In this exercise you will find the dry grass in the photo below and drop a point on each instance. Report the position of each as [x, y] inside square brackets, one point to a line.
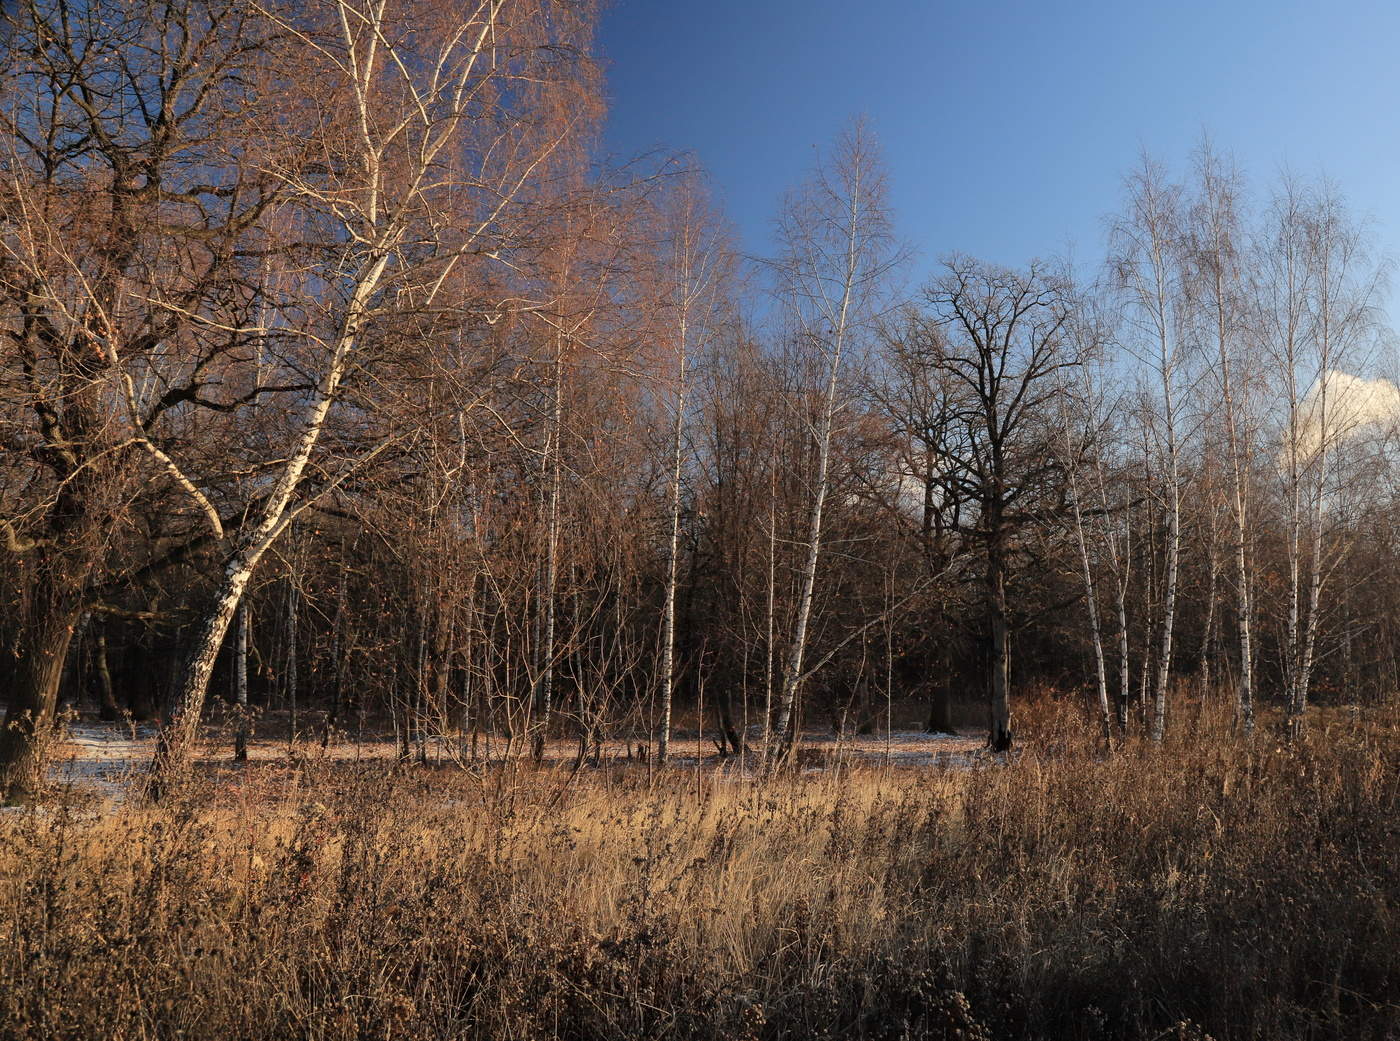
[1211, 888]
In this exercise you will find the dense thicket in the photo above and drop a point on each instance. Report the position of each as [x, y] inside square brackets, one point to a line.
[337, 377]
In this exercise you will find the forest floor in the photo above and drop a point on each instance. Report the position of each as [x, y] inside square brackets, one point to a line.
[102, 757]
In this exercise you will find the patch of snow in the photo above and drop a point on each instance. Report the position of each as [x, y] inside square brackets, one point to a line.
[101, 756]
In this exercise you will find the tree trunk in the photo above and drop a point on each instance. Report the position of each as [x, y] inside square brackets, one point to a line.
[544, 682]
[792, 670]
[668, 635]
[1092, 606]
[1164, 662]
[43, 650]
[1212, 583]
[338, 656]
[1125, 679]
[999, 735]
[240, 683]
[770, 614]
[178, 737]
[1298, 704]
[1243, 610]
[940, 711]
[830, 290]
[106, 695]
[293, 593]
[1243, 614]
[730, 740]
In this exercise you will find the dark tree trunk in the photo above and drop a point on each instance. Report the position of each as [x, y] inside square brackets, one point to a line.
[999, 735]
[54, 614]
[240, 682]
[730, 741]
[60, 568]
[940, 711]
[102, 669]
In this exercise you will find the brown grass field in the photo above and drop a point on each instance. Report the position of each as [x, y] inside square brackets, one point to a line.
[1210, 888]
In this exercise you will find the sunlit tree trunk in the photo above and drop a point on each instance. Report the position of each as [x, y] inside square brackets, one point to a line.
[695, 262]
[549, 579]
[668, 632]
[835, 256]
[1212, 596]
[1147, 265]
[770, 651]
[1216, 250]
[177, 738]
[415, 127]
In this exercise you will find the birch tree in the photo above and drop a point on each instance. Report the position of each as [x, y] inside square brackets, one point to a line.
[1217, 257]
[696, 261]
[575, 299]
[1082, 426]
[1145, 261]
[432, 123]
[837, 250]
[1315, 294]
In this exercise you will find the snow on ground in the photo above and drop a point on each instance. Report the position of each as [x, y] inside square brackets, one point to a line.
[103, 757]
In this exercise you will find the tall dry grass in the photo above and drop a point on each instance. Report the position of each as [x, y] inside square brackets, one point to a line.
[1210, 888]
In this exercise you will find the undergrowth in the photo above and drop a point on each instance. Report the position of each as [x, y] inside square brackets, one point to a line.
[1211, 888]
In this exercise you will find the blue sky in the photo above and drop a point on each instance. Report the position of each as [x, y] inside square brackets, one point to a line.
[1008, 127]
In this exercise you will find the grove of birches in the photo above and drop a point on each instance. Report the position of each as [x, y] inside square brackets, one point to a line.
[350, 394]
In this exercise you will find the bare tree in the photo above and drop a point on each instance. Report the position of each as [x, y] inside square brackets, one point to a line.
[1315, 296]
[696, 261]
[1217, 259]
[1008, 347]
[121, 220]
[837, 252]
[1083, 422]
[437, 123]
[918, 398]
[1145, 261]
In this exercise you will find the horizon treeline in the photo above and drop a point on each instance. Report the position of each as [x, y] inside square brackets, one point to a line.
[338, 376]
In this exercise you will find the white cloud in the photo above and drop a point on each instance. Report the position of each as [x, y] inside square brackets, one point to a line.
[1353, 407]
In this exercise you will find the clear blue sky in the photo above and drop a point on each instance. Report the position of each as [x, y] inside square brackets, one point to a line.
[1008, 126]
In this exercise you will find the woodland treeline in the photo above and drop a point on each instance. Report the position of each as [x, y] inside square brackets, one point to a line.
[342, 376]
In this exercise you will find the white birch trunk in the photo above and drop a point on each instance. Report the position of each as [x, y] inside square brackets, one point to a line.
[792, 669]
[1173, 549]
[178, 737]
[1243, 606]
[769, 649]
[828, 323]
[668, 639]
[1212, 585]
[544, 681]
[1298, 695]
